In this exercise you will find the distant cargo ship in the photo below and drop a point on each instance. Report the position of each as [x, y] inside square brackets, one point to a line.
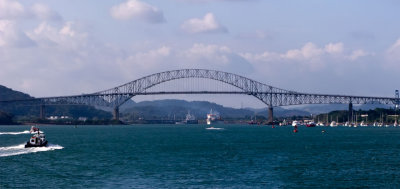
[214, 118]
[190, 119]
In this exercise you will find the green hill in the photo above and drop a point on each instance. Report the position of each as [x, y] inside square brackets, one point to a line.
[23, 112]
[170, 109]
[6, 119]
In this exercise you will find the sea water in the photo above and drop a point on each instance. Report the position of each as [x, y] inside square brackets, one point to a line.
[190, 156]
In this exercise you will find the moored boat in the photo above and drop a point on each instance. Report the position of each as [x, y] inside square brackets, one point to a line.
[363, 124]
[310, 124]
[295, 123]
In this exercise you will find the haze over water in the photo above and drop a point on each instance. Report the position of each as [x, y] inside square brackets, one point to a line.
[170, 156]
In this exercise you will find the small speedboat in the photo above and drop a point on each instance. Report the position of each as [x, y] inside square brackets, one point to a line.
[37, 140]
[34, 129]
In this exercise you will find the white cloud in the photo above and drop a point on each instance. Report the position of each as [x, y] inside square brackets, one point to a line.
[358, 54]
[208, 53]
[148, 60]
[309, 52]
[309, 58]
[392, 55]
[14, 10]
[334, 48]
[208, 24]
[208, 56]
[138, 10]
[11, 9]
[212, 56]
[11, 36]
[43, 12]
[63, 56]
[66, 36]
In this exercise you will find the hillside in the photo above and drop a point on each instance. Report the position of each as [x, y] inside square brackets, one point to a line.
[168, 109]
[24, 112]
[5, 118]
[9, 94]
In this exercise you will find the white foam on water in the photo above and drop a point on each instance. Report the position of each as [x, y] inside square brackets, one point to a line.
[15, 133]
[214, 128]
[20, 149]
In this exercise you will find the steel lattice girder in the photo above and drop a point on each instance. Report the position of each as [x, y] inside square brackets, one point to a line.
[271, 96]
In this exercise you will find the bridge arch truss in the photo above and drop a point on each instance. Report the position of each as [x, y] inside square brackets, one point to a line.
[269, 95]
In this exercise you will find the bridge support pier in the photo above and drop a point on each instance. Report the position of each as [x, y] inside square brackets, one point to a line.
[270, 114]
[116, 113]
[350, 118]
[42, 112]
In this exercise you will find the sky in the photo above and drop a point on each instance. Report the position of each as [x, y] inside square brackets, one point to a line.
[68, 47]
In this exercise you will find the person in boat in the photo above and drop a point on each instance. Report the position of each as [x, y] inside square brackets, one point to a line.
[37, 140]
[34, 129]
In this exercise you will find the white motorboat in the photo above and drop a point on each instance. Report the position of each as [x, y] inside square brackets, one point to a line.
[295, 123]
[37, 140]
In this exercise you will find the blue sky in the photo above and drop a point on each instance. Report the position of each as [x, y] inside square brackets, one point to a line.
[63, 47]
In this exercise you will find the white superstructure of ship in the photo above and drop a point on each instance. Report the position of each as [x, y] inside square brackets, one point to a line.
[190, 119]
[214, 118]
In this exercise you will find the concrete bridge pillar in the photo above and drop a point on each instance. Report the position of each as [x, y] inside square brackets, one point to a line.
[42, 112]
[270, 114]
[350, 112]
[116, 113]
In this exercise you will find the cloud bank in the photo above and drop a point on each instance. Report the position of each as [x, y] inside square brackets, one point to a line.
[135, 9]
[207, 24]
[50, 56]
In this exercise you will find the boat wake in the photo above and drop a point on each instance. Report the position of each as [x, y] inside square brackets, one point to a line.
[20, 149]
[214, 128]
[15, 133]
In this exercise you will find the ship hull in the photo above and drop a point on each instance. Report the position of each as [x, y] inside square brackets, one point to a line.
[211, 122]
[29, 145]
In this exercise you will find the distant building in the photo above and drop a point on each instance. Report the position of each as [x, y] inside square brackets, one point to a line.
[58, 117]
[82, 118]
[53, 118]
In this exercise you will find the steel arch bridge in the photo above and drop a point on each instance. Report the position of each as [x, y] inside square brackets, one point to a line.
[269, 95]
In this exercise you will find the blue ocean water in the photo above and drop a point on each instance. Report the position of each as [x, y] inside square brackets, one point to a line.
[182, 156]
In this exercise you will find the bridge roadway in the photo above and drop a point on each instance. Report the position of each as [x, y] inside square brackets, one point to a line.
[271, 96]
